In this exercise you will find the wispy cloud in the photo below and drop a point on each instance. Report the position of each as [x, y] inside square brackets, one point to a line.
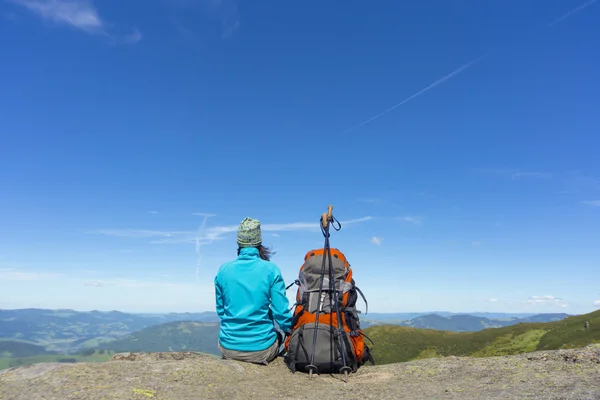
[153, 212]
[12, 274]
[597, 303]
[513, 174]
[577, 182]
[98, 284]
[276, 235]
[593, 203]
[547, 300]
[139, 233]
[543, 299]
[207, 215]
[370, 200]
[493, 300]
[376, 240]
[11, 16]
[212, 233]
[134, 37]
[229, 15]
[133, 283]
[412, 220]
[535, 175]
[80, 14]
[225, 13]
[475, 243]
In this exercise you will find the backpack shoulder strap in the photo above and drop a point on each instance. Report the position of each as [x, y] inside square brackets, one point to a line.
[363, 297]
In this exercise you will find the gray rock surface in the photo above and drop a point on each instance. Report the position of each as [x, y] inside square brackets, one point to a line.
[551, 375]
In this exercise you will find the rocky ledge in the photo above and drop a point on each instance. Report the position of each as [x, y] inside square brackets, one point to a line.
[561, 374]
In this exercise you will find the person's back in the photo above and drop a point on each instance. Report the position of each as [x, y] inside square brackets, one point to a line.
[250, 298]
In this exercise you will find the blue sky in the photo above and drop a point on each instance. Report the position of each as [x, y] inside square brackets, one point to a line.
[457, 142]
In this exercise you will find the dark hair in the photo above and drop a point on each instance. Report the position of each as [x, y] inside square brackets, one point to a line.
[264, 252]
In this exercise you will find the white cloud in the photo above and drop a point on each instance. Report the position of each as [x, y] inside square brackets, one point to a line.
[412, 220]
[207, 215]
[153, 212]
[493, 300]
[597, 303]
[212, 233]
[80, 14]
[593, 203]
[476, 243]
[276, 234]
[376, 240]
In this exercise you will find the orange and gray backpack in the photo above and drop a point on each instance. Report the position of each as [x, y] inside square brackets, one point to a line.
[315, 342]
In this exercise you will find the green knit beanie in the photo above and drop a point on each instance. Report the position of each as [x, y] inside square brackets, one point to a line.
[249, 234]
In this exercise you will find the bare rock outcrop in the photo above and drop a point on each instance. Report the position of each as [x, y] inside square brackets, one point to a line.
[550, 375]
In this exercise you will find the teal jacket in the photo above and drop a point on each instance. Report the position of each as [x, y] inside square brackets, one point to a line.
[250, 297]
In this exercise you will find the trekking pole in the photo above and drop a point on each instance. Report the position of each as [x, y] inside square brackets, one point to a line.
[312, 367]
[325, 229]
[326, 219]
[332, 288]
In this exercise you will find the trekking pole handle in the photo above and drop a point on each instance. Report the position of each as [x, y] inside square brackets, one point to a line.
[325, 218]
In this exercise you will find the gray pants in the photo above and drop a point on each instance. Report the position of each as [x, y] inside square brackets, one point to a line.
[255, 357]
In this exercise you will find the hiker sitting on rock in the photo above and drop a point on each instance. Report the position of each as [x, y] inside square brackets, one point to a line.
[250, 298]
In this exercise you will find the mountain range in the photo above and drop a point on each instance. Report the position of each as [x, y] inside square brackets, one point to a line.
[34, 335]
[67, 331]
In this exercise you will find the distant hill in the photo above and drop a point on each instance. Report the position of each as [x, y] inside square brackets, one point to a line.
[471, 323]
[399, 343]
[456, 323]
[68, 330]
[173, 336]
[544, 318]
[14, 349]
[409, 316]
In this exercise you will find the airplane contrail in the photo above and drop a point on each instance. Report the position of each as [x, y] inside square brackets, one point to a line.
[199, 235]
[567, 15]
[459, 70]
[420, 92]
